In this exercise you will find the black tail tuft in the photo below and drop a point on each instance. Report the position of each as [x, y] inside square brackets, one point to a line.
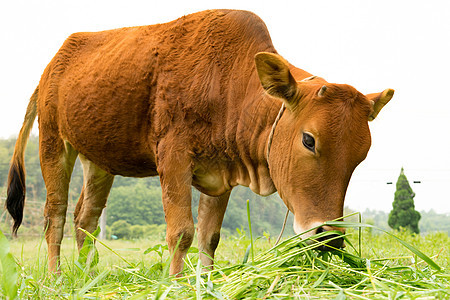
[15, 200]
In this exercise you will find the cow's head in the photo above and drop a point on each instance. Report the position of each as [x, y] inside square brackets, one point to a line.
[318, 142]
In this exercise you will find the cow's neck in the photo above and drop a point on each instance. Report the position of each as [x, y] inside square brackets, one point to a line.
[258, 114]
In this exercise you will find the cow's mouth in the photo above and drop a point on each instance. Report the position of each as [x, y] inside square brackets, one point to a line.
[326, 240]
[333, 240]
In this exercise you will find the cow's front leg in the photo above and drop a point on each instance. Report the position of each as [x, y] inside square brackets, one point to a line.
[211, 211]
[175, 173]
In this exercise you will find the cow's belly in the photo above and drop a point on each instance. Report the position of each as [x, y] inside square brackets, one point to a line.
[114, 145]
[117, 160]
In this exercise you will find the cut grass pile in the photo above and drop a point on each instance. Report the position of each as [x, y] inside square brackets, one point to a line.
[292, 269]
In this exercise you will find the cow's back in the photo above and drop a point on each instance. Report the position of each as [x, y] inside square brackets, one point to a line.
[117, 93]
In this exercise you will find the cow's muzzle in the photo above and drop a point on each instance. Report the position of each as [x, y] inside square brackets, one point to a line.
[333, 240]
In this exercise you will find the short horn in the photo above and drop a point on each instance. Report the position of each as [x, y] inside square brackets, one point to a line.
[322, 91]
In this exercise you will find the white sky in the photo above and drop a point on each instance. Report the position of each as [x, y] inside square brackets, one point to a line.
[372, 45]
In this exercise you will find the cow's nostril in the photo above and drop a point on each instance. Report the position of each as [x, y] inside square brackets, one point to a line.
[320, 230]
[334, 241]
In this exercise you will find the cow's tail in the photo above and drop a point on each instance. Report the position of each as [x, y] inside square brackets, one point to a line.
[15, 200]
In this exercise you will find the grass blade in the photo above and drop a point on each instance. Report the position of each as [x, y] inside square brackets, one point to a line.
[93, 282]
[88, 256]
[107, 247]
[247, 252]
[9, 267]
[414, 250]
[197, 280]
[250, 229]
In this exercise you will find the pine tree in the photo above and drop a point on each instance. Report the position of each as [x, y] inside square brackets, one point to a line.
[403, 213]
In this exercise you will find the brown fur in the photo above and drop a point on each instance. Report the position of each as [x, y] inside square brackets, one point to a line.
[183, 100]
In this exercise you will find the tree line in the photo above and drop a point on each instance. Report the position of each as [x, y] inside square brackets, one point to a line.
[134, 207]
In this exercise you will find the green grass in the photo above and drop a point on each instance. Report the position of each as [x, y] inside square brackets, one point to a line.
[385, 269]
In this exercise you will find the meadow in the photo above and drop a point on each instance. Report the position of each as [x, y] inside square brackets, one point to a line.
[374, 265]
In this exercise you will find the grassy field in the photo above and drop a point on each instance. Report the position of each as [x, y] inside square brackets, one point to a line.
[385, 269]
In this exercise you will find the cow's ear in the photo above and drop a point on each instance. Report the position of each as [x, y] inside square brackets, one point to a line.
[275, 77]
[379, 100]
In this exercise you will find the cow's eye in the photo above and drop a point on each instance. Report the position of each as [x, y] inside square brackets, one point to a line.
[309, 142]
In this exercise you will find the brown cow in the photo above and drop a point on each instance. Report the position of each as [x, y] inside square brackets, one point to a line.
[185, 100]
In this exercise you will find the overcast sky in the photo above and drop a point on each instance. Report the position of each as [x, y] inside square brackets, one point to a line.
[372, 45]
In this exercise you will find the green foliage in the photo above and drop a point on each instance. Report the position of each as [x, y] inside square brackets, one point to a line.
[137, 231]
[267, 213]
[432, 221]
[121, 229]
[159, 249]
[403, 214]
[9, 269]
[157, 232]
[137, 204]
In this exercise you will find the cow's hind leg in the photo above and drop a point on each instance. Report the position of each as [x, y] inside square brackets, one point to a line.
[57, 161]
[211, 211]
[96, 186]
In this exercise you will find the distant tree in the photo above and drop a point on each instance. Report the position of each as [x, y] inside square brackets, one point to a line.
[121, 229]
[403, 213]
[267, 213]
[136, 231]
[138, 204]
[432, 221]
